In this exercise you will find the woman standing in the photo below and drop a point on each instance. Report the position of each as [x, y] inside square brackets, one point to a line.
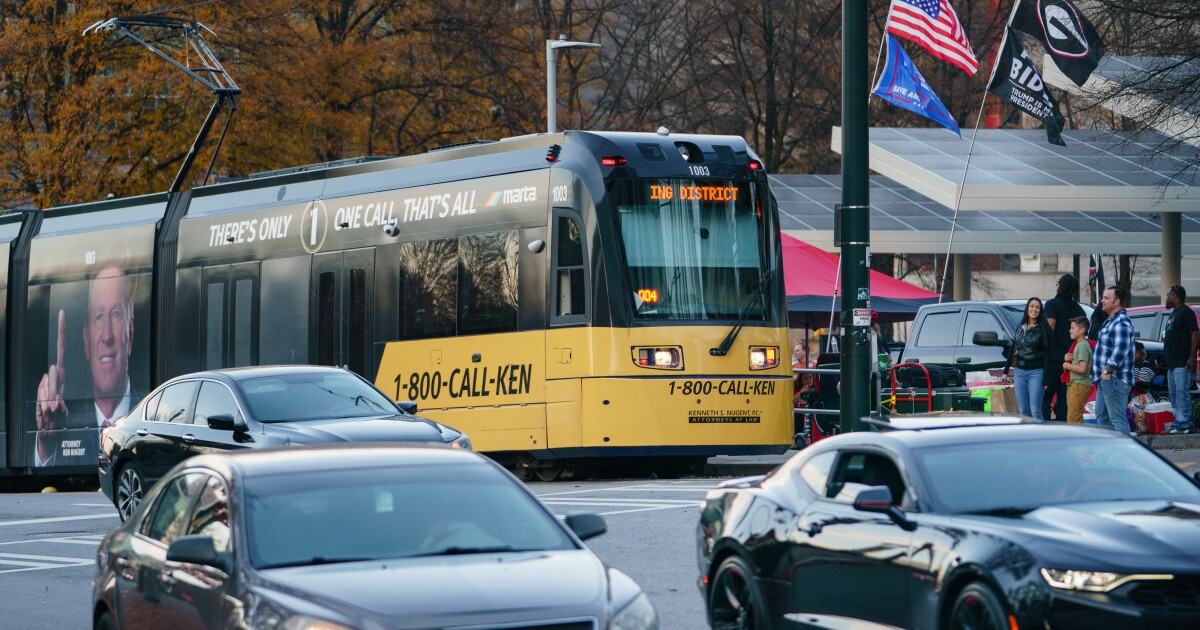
[1029, 356]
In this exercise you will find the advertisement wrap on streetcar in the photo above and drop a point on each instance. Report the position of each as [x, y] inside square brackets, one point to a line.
[556, 297]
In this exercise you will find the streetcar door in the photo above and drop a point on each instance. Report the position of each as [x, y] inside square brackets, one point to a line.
[342, 310]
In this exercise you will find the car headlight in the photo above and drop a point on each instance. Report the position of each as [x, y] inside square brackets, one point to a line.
[636, 615]
[304, 622]
[462, 441]
[1094, 581]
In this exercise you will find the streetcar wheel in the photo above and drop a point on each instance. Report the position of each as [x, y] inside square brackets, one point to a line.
[130, 489]
[549, 470]
[977, 608]
[734, 599]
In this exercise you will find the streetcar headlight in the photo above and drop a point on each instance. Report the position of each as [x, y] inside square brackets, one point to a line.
[658, 357]
[763, 357]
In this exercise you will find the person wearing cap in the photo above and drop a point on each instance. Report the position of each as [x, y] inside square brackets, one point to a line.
[1180, 343]
[1060, 310]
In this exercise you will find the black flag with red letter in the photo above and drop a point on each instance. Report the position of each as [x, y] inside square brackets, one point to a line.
[1016, 80]
[1068, 36]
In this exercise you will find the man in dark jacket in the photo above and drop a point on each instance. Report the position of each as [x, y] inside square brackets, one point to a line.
[1059, 312]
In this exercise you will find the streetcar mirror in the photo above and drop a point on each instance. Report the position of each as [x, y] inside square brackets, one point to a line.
[407, 406]
[537, 246]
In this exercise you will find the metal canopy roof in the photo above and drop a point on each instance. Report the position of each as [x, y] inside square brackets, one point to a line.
[905, 221]
[1177, 119]
[1017, 169]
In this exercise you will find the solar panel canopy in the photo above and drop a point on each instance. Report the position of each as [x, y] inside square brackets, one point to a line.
[1018, 170]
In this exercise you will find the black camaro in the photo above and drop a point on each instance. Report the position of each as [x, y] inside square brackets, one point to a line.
[342, 537]
[224, 410]
[1002, 525]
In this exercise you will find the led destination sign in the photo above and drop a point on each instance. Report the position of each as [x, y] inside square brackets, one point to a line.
[692, 193]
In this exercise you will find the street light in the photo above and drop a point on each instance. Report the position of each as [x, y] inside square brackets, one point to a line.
[551, 75]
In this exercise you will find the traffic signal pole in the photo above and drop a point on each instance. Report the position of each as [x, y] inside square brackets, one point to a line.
[853, 220]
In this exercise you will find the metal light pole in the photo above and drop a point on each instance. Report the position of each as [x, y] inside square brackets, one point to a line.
[552, 75]
[853, 219]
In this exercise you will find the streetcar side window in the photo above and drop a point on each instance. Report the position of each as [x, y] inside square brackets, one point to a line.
[326, 306]
[428, 289]
[285, 339]
[487, 283]
[569, 293]
[214, 327]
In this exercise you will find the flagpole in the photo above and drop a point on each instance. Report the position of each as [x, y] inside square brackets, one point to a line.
[879, 55]
[832, 303]
[970, 150]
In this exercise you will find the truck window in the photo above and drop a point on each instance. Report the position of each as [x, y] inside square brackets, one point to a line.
[1143, 325]
[981, 321]
[939, 330]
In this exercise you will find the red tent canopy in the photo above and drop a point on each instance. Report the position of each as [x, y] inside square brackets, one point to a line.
[810, 274]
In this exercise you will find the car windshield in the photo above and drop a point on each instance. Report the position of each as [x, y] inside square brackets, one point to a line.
[331, 516]
[1025, 475]
[313, 396]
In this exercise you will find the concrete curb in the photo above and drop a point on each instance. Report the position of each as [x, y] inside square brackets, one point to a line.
[745, 466]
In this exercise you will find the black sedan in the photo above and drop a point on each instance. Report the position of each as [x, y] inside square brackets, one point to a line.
[1001, 525]
[211, 412]
[334, 537]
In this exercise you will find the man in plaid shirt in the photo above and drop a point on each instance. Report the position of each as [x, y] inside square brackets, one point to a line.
[1112, 364]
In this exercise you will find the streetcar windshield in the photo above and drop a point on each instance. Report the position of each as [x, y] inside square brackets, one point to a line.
[694, 248]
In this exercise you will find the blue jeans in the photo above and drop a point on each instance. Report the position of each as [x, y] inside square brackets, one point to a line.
[1112, 398]
[1029, 391]
[1179, 382]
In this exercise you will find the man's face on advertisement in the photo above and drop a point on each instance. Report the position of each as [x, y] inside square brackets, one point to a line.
[108, 332]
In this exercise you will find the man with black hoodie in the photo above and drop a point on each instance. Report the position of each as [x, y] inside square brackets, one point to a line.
[1059, 312]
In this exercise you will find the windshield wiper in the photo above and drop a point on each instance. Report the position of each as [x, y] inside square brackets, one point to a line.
[313, 561]
[1005, 511]
[462, 551]
[758, 296]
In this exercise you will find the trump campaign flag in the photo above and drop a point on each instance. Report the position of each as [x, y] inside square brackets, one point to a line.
[1017, 81]
[933, 25]
[901, 84]
[1068, 36]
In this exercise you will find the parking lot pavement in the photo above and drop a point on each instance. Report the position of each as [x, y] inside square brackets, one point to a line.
[48, 557]
[651, 536]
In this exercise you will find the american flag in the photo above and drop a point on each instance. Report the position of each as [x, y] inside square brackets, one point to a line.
[933, 25]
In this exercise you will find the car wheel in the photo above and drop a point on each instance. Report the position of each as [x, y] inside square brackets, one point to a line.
[131, 487]
[977, 608]
[104, 622]
[734, 598]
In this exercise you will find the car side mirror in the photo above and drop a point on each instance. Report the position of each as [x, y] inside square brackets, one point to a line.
[223, 422]
[197, 549]
[878, 499]
[988, 338]
[586, 526]
[407, 406]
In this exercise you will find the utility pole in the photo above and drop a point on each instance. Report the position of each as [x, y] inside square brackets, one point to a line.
[853, 220]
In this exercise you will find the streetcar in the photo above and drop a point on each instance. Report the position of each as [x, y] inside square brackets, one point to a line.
[562, 298]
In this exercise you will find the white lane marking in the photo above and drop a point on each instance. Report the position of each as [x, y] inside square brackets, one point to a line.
[28, 562]
[645, 509]
[56, 519]
[632, 488]
[622, 500]
[107, 505]
[71, 540]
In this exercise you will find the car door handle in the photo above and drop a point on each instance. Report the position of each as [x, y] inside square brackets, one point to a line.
[189, 438]
[143, 432]
[168, 582]
[963, 360]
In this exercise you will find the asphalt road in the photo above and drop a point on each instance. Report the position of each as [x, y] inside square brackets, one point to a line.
[48, 544]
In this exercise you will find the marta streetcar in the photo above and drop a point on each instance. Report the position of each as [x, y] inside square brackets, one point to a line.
[559, 297]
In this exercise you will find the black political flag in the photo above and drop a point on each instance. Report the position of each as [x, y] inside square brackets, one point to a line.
[1016, 80]
[1068, 36]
